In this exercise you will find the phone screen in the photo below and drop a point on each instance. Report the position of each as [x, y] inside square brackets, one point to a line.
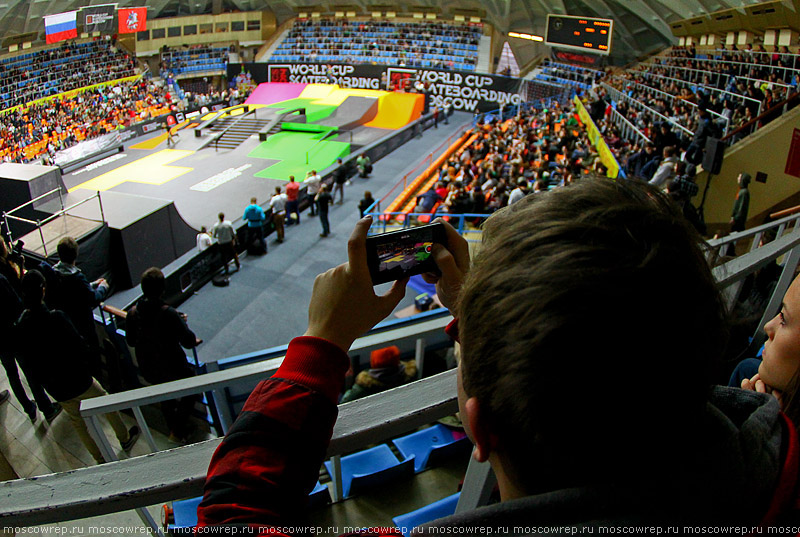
[399, 254]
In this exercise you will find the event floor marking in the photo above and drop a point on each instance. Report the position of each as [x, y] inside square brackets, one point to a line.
[151, 143]
[150, 170]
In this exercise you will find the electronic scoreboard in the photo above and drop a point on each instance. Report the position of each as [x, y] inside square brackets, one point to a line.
[579, 33]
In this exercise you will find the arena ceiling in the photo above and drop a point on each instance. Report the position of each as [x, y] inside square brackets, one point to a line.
[640, 25]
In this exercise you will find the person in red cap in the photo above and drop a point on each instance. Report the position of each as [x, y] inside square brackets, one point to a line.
[385, 371]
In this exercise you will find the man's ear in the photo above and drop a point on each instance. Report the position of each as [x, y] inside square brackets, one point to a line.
[479, 425]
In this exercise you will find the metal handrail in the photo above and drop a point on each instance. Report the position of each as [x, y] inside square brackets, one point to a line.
[628, 126]
[762, 115]
[611, 89]
[703, 86]
[229, 127]
[669, 95]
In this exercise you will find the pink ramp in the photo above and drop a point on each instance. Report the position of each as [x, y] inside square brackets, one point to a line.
[275, 92]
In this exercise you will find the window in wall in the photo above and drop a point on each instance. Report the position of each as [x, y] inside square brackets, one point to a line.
[190, 29]
[253, 25]
[221, 27]
[143, 35]
[508, 63]
[206, 28]
[237, 26]
[159, 33]
[174, 31]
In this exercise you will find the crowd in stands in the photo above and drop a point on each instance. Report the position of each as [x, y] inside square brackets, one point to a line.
[414, 44]
[193, 59]
[734, 87]
[27, 77]
[45, 128]
[537, 151]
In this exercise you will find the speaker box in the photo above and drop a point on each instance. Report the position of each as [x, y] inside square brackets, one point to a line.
[712, 157]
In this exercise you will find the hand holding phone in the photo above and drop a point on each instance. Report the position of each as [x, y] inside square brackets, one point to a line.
[400, 254]
[343, 303]
[452, 261]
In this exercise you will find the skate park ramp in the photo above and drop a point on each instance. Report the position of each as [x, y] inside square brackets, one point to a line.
[353, 112]
[396, 110]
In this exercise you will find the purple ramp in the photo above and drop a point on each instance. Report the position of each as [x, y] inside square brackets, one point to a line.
[275, 92]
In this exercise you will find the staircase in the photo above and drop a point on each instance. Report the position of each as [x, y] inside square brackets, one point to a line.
[243, 129]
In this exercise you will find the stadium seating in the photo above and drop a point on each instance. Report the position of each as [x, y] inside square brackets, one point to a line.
[382, 42]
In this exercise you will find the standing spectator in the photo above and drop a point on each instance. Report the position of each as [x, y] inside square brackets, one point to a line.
[278, 204]
[448, 109]
[436, 117]
[742, 204]
[365, 203]
[226, 236]
[292, 206]
[339, 179]
[71, 292]
[203, 239]
[58, 361]
[255, 216]
[312, 182]
[519, 192]
[386, 370]
[666, 169]
[157, 332]
[9, 313]
[324, 200]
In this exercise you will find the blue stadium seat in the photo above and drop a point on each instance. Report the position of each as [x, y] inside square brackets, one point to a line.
[370, 468]
[431, 445]
[442, 508]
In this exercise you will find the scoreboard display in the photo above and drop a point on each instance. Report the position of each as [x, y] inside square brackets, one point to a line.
[579, 33]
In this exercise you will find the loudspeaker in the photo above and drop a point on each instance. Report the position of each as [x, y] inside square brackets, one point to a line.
[712, 157]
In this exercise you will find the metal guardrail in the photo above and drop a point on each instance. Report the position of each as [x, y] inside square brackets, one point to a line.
[628, 130]
[618, 96]
[6, 216]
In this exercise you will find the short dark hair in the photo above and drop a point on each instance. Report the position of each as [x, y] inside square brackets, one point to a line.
[566, 320]
[33, 285]
[67, 250]
[152, 283]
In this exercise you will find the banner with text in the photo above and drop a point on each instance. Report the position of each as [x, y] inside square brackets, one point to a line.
[606, 156]
[466, 91]
[99, 18]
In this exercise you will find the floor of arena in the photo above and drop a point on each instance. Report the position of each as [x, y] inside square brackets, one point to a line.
[204, 181]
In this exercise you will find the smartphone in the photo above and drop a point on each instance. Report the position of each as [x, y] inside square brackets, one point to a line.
[400, 254]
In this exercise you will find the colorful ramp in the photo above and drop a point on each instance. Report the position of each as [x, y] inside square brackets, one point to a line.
[366, 114]
[353, 112]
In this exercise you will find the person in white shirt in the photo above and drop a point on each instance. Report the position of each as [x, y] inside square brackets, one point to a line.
[278, 204]
[203, 239]
[312, 182]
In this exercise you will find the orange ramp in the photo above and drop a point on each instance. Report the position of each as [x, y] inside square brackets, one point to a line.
[396, 110]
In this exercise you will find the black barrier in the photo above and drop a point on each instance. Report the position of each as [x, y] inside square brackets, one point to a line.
[465, 90]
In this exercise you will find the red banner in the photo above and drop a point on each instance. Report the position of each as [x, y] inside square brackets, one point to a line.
[132, 20]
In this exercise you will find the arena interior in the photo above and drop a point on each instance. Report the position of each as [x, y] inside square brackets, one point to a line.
[130, 126]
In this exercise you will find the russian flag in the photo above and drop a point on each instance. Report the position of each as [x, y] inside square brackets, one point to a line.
[61, 26]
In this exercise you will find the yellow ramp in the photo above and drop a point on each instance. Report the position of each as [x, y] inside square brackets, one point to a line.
[337, 97]
[150, 170]
[317, 91]
[396, 110]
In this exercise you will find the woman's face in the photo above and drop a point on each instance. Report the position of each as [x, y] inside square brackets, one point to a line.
[782, 350]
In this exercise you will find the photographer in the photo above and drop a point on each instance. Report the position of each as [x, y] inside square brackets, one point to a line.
[560, 277]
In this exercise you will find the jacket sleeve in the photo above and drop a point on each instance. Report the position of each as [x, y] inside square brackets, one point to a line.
[132, 327]
[268, 463]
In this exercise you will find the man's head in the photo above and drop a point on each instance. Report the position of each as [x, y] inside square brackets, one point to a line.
[67, 250]
[277, 190]
[33, 286]
[221, 216]
[565, 359]
[152, 283]
[291, 178]
[253, 201]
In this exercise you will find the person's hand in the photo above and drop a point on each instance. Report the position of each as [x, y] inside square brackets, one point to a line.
[755, 384]
[343, 303]
[453, 261]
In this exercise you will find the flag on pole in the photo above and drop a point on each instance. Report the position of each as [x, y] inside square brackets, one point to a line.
[61, 26]
[132, 20]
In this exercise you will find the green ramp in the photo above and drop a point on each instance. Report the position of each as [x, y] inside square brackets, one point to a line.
[290, 149]
[314, 112]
